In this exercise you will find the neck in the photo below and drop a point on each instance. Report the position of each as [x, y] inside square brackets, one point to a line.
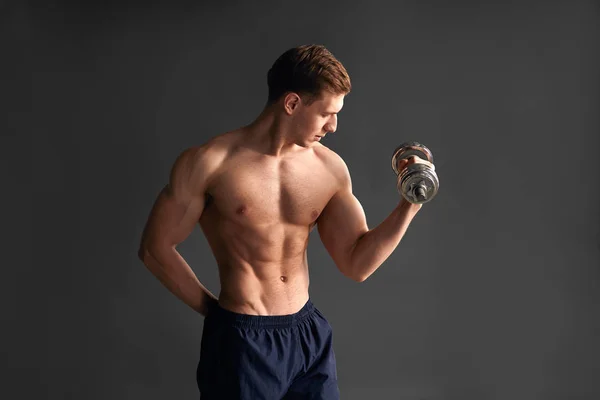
[270, 133]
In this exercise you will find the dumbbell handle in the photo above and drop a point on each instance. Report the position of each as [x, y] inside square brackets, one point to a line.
[420, 192]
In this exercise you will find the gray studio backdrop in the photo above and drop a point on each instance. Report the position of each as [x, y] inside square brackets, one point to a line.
[491, 295]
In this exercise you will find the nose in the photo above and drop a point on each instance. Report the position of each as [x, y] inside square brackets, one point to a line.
[331, 125]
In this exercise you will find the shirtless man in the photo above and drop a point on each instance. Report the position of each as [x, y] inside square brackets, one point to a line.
[257, 192]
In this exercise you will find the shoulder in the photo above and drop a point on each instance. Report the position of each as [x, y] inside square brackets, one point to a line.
[210, 153]
[203, 159]
[334, 163]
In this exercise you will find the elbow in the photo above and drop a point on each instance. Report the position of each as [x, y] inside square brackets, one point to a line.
[147, 251]
[356, 276]
[154, 250]
[356, 271]
[359, 278]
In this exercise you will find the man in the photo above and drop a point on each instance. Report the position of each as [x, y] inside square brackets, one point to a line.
[257, 192]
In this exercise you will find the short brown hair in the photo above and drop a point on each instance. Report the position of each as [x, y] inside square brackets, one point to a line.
[307, 70]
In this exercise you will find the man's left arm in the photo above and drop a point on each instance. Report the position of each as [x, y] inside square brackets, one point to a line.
[357, 250]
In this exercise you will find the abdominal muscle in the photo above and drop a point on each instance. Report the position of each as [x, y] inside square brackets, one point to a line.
[263, 269]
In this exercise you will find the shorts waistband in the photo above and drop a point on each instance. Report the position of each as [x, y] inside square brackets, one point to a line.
[262, 321]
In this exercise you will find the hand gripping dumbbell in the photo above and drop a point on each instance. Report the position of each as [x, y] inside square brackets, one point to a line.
[417, 183]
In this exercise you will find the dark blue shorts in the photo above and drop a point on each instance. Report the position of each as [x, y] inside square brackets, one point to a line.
[250, 357]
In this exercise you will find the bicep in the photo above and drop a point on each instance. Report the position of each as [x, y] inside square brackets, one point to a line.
[179, 205]
[341, 224]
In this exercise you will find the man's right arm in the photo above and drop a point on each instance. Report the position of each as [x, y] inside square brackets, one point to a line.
[357, 250]
[173, 216]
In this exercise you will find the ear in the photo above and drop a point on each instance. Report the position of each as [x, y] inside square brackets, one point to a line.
[291, 102]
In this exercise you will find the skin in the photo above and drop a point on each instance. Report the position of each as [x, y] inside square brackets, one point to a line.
[257, 192]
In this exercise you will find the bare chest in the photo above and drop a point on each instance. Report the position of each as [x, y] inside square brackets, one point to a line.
[267, 193]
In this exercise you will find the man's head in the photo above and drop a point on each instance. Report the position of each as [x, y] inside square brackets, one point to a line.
[309, 71]
[309, 84]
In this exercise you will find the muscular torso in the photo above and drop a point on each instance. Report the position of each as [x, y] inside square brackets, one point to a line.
[259, 212]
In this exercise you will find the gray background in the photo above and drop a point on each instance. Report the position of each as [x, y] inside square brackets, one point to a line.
[493, 292]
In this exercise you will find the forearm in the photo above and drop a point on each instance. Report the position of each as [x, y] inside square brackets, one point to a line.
[169, 267]
[375, 246]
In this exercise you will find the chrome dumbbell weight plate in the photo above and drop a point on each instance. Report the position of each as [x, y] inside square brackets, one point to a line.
[417, 183]
[408, 149]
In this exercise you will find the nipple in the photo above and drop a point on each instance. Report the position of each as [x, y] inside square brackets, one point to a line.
[283, 278]
[241, 210]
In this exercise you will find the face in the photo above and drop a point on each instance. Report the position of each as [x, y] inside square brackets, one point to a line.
[311, 122]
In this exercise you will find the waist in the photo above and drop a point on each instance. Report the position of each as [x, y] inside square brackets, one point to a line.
[224, 316]
[259, 304]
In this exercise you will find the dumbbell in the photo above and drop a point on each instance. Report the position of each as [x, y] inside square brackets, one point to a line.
[417, 183]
